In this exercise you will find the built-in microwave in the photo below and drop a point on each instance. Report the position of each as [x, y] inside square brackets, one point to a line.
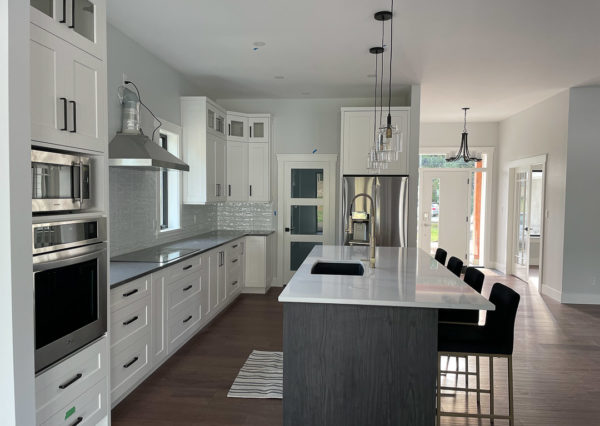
[70, 287]
[60, 181]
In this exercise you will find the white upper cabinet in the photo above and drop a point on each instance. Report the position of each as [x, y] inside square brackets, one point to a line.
[237, 171]
[68, 94]
[237, 127]
[259, 128]
[205, 150]
[79, 22]
[357, 135]
[259, 189]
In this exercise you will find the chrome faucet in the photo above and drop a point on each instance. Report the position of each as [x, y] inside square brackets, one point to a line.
[350, 227]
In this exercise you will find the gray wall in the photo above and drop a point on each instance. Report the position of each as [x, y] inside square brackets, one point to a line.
[133, 194]
[581, 267]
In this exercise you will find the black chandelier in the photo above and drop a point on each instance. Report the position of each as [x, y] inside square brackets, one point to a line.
[463, 151]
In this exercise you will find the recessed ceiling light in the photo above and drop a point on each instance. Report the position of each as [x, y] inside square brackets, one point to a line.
[279, 77]
[259, 43]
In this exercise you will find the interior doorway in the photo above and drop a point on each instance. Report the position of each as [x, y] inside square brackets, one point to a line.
[525, 240]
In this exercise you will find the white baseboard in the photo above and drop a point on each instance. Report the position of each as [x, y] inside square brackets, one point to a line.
[552, 293]
[254, 290]
[498, 266]
[581, 298]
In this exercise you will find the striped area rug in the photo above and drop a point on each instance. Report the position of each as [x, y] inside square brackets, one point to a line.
[261, 376]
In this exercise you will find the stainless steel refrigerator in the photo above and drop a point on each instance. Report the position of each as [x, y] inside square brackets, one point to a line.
[390, 194]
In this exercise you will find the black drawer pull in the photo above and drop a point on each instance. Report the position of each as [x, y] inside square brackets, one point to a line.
[234, 283]
[187, 319]
[131, 320]
[185, 268]
[234, 260]
[70, 382]
[130, 363]
[134, 291]
[188, 287]
[234, 246]
[76, 422]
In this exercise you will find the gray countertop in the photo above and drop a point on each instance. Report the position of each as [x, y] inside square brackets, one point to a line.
[133, 265]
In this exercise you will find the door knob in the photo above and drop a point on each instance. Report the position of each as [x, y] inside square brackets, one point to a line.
[287, 229]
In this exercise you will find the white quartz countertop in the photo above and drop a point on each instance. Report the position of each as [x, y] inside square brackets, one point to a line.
[404, 277]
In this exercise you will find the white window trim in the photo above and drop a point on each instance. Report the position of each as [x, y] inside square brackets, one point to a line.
[163, 234]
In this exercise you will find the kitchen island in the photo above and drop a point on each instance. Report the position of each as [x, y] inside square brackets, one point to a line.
[362, 349]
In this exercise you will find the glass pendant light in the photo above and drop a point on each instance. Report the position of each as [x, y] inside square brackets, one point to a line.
[463, 151]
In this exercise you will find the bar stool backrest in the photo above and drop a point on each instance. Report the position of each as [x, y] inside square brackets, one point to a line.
[440, 255]
[474, 277]
[500, 323]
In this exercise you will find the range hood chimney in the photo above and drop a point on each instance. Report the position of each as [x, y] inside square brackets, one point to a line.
[131, 148]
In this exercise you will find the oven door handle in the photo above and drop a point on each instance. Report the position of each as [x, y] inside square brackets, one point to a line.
[70, 257]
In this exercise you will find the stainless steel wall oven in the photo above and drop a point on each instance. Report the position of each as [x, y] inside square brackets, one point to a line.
[70, 285]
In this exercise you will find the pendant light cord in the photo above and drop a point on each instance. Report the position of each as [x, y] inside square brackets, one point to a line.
[391, 56]
[148, 109]
[375, 104]
[382, 73]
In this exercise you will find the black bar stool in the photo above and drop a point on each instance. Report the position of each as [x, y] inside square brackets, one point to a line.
[455, 265]
[495, 339]
[440, 255]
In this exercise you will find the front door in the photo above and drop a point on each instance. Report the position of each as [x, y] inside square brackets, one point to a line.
[307, 210]
[444, 211]
[520, 260]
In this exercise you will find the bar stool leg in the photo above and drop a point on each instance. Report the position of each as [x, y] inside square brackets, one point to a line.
[491, 358]
[510, 392]
[439, 391]
[478, 381]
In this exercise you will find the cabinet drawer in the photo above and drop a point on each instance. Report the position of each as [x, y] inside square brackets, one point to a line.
[235, 249]
[183, 322]
[129, 365]
[181, 290]
[87, 409]
[69, 378]
[129, 293]
[235, 278]
[181, 269]
[129, 320]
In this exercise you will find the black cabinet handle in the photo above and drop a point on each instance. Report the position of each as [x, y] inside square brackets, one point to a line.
[130, 363]
[64, 15]
[74, 116]
[234, 283]
[230, 190]
[70, 382]
[229, 129]
[130, 320]
[250, 131]
[234, 246]
[187, 319]
[64, 101]
[187, 267]
[251, 190]
[134, 291]
[188, 287]
[76, 422]
[72, 14]
[234, 260]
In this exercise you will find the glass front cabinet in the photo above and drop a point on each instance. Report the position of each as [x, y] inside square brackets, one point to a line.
[79, 22]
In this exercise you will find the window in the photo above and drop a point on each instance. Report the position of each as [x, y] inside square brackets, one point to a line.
[169, 187]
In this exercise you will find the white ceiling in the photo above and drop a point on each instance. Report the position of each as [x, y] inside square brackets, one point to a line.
[496, 56]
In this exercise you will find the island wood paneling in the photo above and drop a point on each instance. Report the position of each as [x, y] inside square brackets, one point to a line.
[358, 365]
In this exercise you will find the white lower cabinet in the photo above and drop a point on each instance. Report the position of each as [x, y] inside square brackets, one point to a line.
[88, 409]
[65, 384]
[260, 251]
[178, 302]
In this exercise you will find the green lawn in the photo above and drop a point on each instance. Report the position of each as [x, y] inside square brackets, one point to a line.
[435, 230]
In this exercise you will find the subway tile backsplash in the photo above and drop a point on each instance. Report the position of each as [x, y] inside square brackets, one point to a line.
[133, 213]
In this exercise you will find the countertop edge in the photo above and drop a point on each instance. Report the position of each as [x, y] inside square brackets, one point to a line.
[382, 303]
[187, 256]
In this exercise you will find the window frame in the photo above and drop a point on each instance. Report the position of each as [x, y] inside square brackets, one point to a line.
[169, 129]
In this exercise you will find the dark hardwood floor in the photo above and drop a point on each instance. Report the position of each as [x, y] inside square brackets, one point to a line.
[556, 368]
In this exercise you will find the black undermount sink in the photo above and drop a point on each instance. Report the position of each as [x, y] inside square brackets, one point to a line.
[337, 268]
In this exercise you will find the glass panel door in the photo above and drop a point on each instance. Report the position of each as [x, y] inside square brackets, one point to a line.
[210, 118]
[307, 213]
[84, 19]
[521, 224]
[45, 6]
[236, 128]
